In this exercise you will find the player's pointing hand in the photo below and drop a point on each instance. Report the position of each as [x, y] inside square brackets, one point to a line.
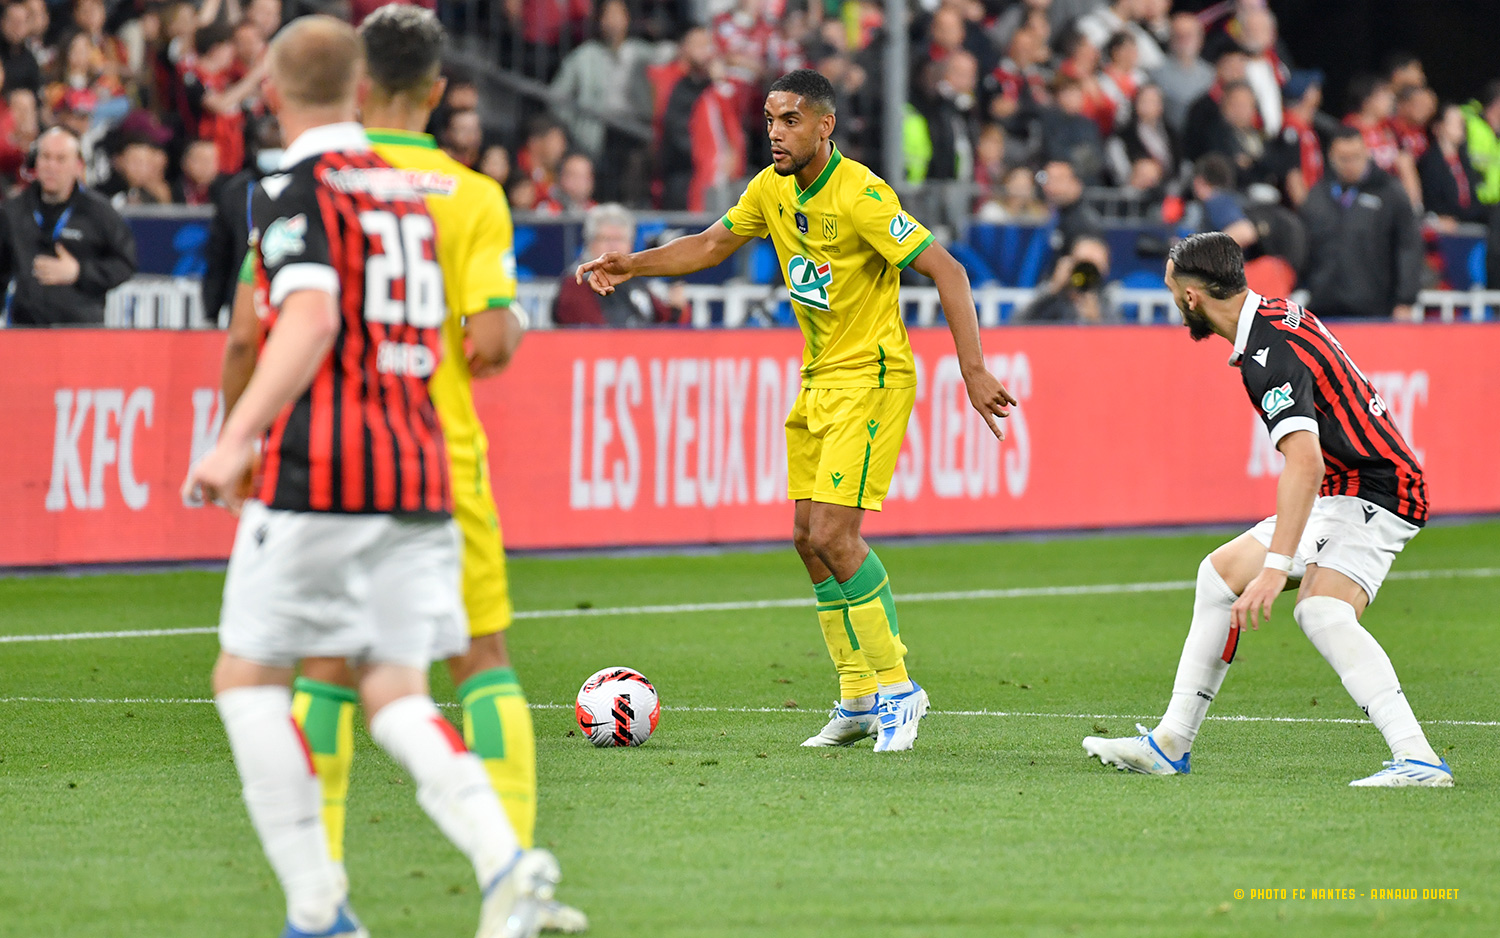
[990, 398]
[605, 272]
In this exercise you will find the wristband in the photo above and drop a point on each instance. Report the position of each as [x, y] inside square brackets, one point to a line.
[1279, 562]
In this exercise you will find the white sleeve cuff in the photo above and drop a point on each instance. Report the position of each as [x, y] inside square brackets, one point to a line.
[294, 277]
[1292, 425]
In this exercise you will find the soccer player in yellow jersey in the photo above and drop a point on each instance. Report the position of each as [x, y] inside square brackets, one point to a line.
[474, 245]
[843, 241]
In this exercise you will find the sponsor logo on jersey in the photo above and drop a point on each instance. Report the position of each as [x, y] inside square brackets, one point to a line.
[872, 193]
[405, 359]
[1276, 400]
[872, 427]
[273, 186]
[902, 227]
[808, 281]
[836, 478]
[1261, 356]
[389, 184]
[286, 237]
[1370, 511]
[801, 222]
[1293, 316]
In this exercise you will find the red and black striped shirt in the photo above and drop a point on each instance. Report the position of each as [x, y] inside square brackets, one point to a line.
[364, 437]
[1300, 378]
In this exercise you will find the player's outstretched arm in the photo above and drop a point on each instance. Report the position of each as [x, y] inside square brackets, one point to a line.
[305, 331]
[1295, 494]
[986, 393]
[686, 255]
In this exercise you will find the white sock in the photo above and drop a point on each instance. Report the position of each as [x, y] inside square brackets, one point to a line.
[1334, 629]
[859, 704]
[896, 690]
[285, 801]
[1201, 669]
[451, 785]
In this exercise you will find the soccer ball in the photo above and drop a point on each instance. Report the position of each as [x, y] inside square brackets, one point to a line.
[618, 707]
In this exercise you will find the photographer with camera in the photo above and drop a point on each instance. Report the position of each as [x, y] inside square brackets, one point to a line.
[1077, 291]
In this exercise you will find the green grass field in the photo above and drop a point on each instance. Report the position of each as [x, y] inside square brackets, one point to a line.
[120, 812]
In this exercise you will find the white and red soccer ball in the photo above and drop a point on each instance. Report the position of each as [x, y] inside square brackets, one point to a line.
[618, 707]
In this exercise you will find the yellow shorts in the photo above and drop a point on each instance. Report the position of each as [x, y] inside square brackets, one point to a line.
[486, 590]
[842, 443]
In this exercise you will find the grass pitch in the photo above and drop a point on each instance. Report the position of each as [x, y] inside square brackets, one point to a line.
[120, 812]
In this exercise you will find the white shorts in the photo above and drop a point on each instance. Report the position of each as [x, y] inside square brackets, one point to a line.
[1357, 538]
[372, 588]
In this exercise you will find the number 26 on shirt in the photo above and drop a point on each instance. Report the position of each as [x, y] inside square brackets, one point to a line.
[406, 250]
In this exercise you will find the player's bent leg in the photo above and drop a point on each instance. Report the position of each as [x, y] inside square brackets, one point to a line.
[1328, 613]
[1206, 655]
[323, 706]
[281, 794]
[854, 716]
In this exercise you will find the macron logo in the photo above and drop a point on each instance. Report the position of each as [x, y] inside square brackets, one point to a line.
[1261, 356]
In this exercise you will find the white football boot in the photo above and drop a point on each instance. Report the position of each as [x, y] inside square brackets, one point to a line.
[562, 919]
[1136, 754]
[514, 899]
[845, 727]
[1408, 773]
[900, 716]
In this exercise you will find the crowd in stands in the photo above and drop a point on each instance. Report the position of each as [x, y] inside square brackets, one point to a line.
[1017, 105]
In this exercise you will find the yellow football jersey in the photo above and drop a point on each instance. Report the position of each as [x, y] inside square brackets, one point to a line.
[842, 243]
[476, 250]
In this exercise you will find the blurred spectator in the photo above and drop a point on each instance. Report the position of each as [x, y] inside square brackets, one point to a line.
[1117, 17]
[1296, 155]
[1220, 208]
[989, 158]
[611, 227]
[1121, 77]
[1145, 136]
[605, 76]
[1068, 135]
[522, 192]
[463, 135]
[1265, 66]
[543, 25]
[79, 69]
[217, 92]
[266, 15]
[1080, 62]
[110, 56]
[1018, 85]
[1016, 201]
[200, 170]
[1365, 255]
[1203, 115]
[1449, 182]
[1373, 107]
[19, 128]
[540, 157]
[743, 36]
[494, 162]
[1415, 109]
[701, 140]
[574, 191]
[1482, 127]
[1184, 77]
[1404, 70]
[1237, 134]
[143, 171]
[1073, 218]
[21, 68]
[1153, 30]
[946, 113]
[1012, 18]
[945, 33]
[62, 247]
[1075, 292]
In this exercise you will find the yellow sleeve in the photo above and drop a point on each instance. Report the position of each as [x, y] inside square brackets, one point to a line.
[490, 264]
[745, 218]
[878, 218]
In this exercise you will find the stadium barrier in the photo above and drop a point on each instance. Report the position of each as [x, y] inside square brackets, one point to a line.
[602, 438]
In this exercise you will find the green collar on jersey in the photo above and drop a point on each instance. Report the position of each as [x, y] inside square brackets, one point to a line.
[821, 181]
[403, 138]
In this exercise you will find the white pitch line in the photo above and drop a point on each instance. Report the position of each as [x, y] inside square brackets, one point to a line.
[1021, 592]
[1013, 714]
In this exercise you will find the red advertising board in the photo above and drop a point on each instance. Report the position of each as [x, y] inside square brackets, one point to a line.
[663, 437]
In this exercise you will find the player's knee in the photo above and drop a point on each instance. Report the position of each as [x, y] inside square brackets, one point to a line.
[328, 671]
[802, 539]
[486, 652]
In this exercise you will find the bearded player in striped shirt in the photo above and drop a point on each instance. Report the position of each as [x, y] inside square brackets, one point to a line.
[1334, 543]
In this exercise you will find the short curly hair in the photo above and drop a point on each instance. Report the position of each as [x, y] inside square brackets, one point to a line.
[810, 85]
